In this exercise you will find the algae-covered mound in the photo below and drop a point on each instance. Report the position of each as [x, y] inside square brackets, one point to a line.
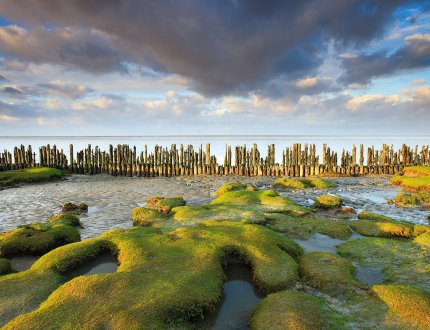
[65, 219]
[5, 266]
[233, 186]
[250, 206]
[414, 179]
[371, 224]
[328, 273]
[408, 306]
[39, 238]
[74, 208]
[304, 227]
[163, 280]
[423, 240]
[401, 261]
[303, 183]
[412, 199]
[327, 202]
[163, 204]
[31, 175]
[292, 310]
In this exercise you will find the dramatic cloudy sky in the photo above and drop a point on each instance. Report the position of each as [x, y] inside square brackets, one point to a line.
[125, 67]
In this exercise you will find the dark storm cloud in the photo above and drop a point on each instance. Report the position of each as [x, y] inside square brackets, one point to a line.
[414, 55]
[66, 46]
[223, 46]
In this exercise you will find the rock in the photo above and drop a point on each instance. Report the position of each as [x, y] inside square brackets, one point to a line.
[74, 208]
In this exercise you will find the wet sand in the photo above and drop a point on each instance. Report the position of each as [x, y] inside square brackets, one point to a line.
[111, 199]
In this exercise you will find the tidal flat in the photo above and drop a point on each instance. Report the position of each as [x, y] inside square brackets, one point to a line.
[146, 258]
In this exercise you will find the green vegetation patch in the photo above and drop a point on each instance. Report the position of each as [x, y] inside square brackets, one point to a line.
[328, 273]
[408, 306]
[412, 199]
[305, 227]
[295, 311]
[414, 178]
[303, 183]
[36, 239]
[401, 261]
[381, 226]
[233, 186]
[423, 240]
[65, 219]
[163, 280]
[328, 201]
[242, 205]
[163, 204]
[365, 215]
[5, 266]
[31, 175]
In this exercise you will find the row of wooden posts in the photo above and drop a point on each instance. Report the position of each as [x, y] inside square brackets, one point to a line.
[297, 161]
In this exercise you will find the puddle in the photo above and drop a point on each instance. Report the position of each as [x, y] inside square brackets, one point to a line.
[21, 264]
[238, 302]
[103, 263]
[319, 242]
[368, 275]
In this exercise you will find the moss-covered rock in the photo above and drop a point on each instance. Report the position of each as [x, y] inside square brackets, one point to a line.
[423, 240]
[295, 311]
[414, 178]
[327, 201]
[163, 204]
[65, 219]
[31, 175]
[234, 186]
[36, 239]
[409, 307]
[74, 208]
[381, 226]
[153, 286]
[5, 266]
[328, 273]
[401, 261]
[142, 216]
[365, 215]
[420, 199]
[303, 183]
[304, 227]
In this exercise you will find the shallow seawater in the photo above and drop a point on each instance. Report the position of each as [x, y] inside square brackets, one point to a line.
[319, 242]
[102, 264]
[363, 193]
[369, 275]
[20, 264]
[238, 302]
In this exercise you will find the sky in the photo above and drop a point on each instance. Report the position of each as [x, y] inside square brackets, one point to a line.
[215, 67]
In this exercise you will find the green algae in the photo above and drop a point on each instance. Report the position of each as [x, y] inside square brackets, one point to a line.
[305, 227]
[241, 205]
[414, 179]
[412, 199]
[327, 202]
[401, 261]
[163, 280]
[163, 204]
[233, 186]
[295, 311]
[31, 175]
[317, 183]
[5, 266]
[65, 219]
[366, 215]
[409, 307]
[423, 240]
[328, 273]
[36, 239]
